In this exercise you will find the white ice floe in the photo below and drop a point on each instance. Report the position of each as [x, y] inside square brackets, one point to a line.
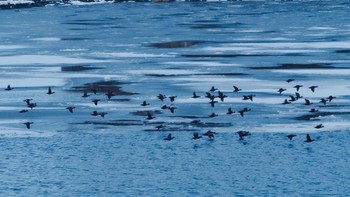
[11, 47]
[131, 54]
[46, 39]
[199, 63]
[44, 59]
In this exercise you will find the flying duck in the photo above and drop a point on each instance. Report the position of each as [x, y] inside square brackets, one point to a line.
[169, 137]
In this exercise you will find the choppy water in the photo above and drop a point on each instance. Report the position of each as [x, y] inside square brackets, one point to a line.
[141, 50]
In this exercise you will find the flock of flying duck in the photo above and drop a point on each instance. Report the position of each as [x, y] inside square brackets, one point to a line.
[212, 95]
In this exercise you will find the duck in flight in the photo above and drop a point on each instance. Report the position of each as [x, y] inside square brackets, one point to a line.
[290, 80]
[313, 110]
[330, 98]
[196, 136]
[229, 111]
[172, 98]
[281, 90]
[236, 89]
[298, 87]
[210, 134]
[23, 111]
[286, 102]
[308, 139]
[324, 101]
[195, 95]
[31, 105]
[149, 116]
[213, 89]
[144, 103]
[222, 96]
[28, 124]
[95, 101]
[169, 137]
[27, 101]
[241, 112]
[85, 95]
[109, 95]
[243, 134]
[212, 115]
[49, 91]
[158, 127]
[308, 102]
[8, 88]
[161, 97]
[70, 109]
[319, 126]
[313, 88]
[290, 137]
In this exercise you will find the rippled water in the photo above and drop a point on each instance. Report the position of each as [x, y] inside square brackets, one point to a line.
[141, 50]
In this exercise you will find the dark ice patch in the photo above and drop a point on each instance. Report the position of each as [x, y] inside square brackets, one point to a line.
[77, 68]
[112, 86]
[320, 114]
[175, 44]
[222, 55]
[294, 66]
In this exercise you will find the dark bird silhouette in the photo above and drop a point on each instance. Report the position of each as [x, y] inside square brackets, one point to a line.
[109, 95]
[144, 103]
[298, 96]
[243, 134]
[8, 88]
[229, 111]
[292, 98]
[149, 116]
[208, 95]
[195, 95]
[248, 97]
[313, 88]
[31, 105]
[158, 127]
[212, 115]
[169, 137]
[308, 138]
[212, 103]
[236, 89]
[324, 101]
[94, 113]
[308, 102]
[172, 109]
[212, 97]
[85, 95]
[241, 112]
[172, 98]
[281, 90]
[28, 124]
[298, 87]
[319, 126]
[289, 80]
[313, 110]
[161, 97]
[330, 98]
[49, 91]
[286, 102]
[95, 101]
[210, 134]
[102, 114]
[164, 107]
[23, 111]
[213, 89]
[196, 136]
[27, 101]
[70, 109]
[222, 96]
[290, 137]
